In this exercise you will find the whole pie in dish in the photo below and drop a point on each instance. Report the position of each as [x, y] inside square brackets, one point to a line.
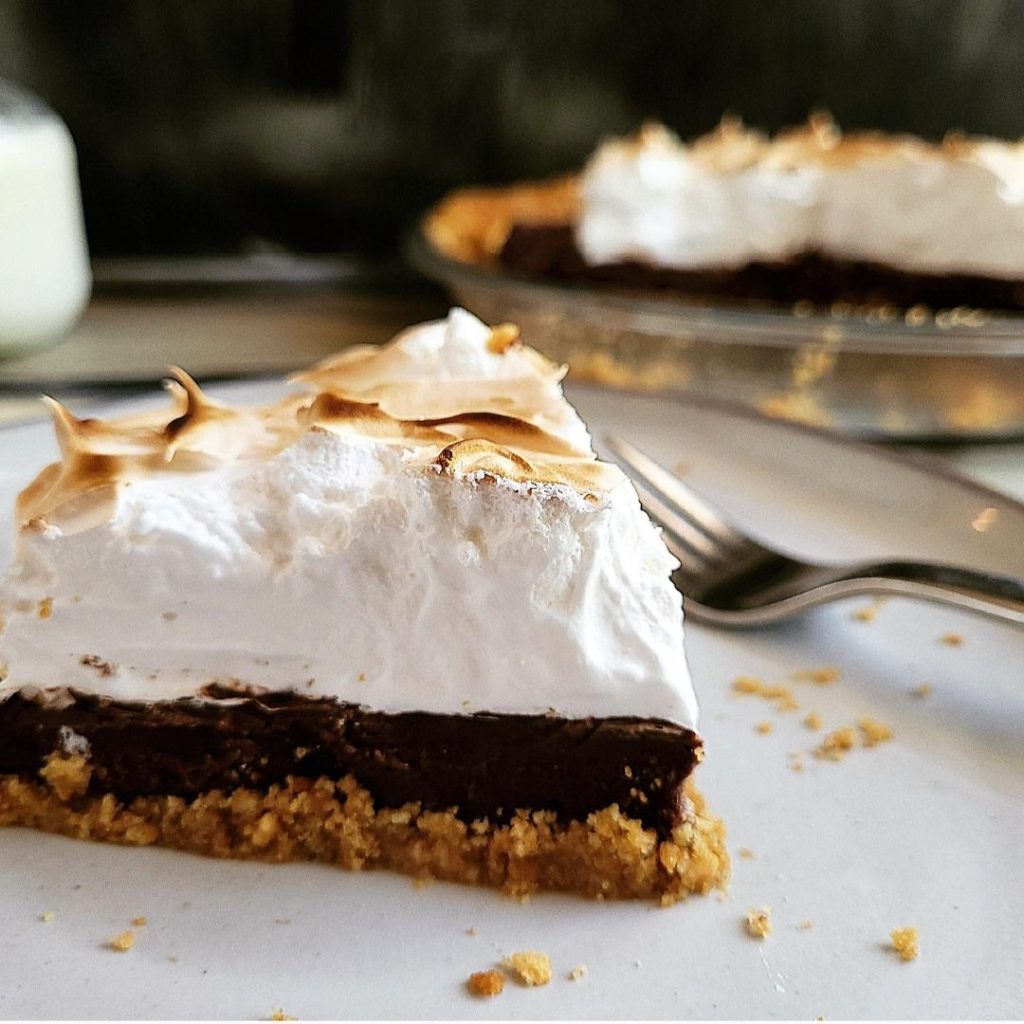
[401, 618]
[812, 215]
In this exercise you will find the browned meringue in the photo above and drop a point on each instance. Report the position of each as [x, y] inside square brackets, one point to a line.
[512, 425]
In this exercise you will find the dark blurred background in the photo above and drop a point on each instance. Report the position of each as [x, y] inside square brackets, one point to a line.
[239, 126]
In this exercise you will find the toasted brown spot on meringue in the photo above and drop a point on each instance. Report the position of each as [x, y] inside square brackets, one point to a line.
[465, 458]
[503, 337]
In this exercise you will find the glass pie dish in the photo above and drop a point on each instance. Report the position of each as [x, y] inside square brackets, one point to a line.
[887, 374]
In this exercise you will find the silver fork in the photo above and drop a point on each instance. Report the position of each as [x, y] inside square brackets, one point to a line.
[728, 579]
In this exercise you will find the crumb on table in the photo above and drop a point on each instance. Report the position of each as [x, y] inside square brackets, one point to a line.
[485, 983]
[952, 639]
[837, 744]
[47, 916]
[805, 926]
[764, 728]
[759, 922]
[123, 942]
[922, 690]
[578, 972]
[813, 721]
[873, 732]
[529, 967]
[904, 942]
[140, 922]
[796, 763]
[869, 612]
[278, 1014]
[745, 853]
[781, 696]
[821, 676]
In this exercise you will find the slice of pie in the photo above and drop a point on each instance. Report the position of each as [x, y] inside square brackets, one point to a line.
[402, 618]
[811, 215]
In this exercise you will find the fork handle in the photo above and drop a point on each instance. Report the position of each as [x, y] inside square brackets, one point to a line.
[991, 594]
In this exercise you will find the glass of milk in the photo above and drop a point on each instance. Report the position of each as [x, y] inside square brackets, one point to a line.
[44, 262]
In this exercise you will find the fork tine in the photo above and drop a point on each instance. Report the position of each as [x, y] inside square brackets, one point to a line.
[677, 496]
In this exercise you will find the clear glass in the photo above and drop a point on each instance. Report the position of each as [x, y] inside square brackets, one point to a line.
[956, 376]
[44, 262]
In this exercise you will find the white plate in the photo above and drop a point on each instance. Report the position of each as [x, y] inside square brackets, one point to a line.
[927, 830]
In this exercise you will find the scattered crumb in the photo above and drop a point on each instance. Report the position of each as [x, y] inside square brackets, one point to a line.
[873, 731]
[904, 942]
[361, 677]
[837, 744]
[796, 763]
[745, 853]
[282, 920]
[781, 696]
[805, 926]
[139, 922]
[45, 608]
[820, 676]
[759, 922]
[952, 639]
[172, 959]
[485, 983]
[529, 967]
[984, 519]
[869, 612]
[47, 917]
[471, 931]
[123, 942]
[764, 728]
[813, 721]
[922, 690]
[104, 669]
[578, 972]
[279, 1014]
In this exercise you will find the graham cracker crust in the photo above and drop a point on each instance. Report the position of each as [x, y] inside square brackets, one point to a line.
[608, 856]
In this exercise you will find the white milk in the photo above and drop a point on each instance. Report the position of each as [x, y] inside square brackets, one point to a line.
[44, 262]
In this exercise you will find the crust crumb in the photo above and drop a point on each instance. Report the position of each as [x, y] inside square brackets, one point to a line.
[45, 609]
[805, 926]
[140, 922]
[578, 972]
[764, 728]
[873, 732]
[759, 922]
[952, 639]
[820, 676]
[745, 854]
[922, 690]
[472, 931]
[484, 984]
[837, 744]
[868, 612]
[104, 669]
[781, 696]
[47, 916]
[278, 1014]
[123, 942]
[796, 763]
[529, 967]
[904, 942]
[813, 721]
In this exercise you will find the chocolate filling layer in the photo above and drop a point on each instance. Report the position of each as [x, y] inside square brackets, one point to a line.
[549, 251]
[482, 764]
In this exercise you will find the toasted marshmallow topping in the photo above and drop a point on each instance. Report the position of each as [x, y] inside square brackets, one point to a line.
[427, 528]
[735, 197]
